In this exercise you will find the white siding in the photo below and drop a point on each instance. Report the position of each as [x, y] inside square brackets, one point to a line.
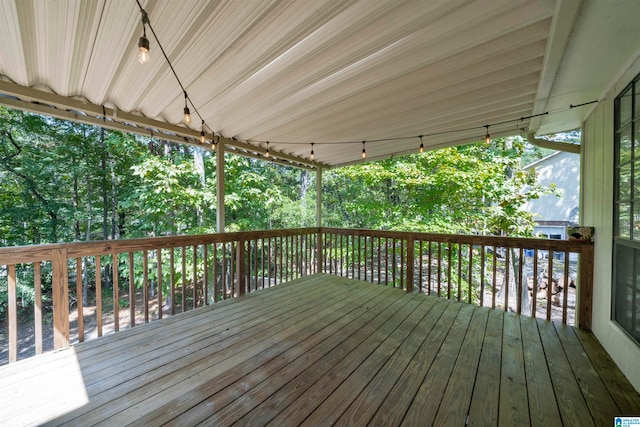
[563, 170]
[597, 210]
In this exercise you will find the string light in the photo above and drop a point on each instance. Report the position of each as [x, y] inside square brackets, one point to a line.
[213, 142]
[143, 57]
[143, 42]
[202, 137]
[187, 113]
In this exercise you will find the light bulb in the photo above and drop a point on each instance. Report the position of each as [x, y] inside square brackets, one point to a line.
[312, 155]
[364, 152]
[487, 139]
[143, 50]
[187, 115]
[202, 138]
[421, 144]
[266, 153]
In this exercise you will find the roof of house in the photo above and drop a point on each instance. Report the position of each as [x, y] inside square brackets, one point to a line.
[330, 72]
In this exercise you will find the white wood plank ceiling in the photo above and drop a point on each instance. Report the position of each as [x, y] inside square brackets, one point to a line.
[332, 72]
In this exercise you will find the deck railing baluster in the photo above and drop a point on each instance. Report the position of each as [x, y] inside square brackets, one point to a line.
[145, 285]
[13, 313]
[79, 299]
[159, 281]
[37, 306]
[252, 260]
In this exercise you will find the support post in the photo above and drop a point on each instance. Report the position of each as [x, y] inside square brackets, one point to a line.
[585, 288]
[410, 256]
[319, 242]
[240, 267]
[220, 220]
[60, 298]
[319, 197]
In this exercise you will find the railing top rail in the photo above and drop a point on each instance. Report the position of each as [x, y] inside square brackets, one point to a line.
[497, 241]
[36, 253]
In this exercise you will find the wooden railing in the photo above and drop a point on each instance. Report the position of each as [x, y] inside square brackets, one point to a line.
[498, 272]
[152, 278]
[102, 287]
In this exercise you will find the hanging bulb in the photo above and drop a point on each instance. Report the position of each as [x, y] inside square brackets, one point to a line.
[187, 113]
[202, 137]
[143, 50]
[364, 152]
[213, 142]
[266, 153]
[143, 42]
[487, 138]
[421, 145]
[312, 155]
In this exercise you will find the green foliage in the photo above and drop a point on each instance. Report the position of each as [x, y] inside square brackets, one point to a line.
[471, 189]
[63, 181]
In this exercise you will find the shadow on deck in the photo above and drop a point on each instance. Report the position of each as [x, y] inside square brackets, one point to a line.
[326, 350]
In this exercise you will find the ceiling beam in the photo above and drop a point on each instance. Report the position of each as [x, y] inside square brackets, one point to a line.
[36, 101]
[554, 145]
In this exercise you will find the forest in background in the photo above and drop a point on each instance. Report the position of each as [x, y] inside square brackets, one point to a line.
[64, 182]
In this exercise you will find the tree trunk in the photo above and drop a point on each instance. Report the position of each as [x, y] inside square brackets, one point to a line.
[198, 161]
[513, 267]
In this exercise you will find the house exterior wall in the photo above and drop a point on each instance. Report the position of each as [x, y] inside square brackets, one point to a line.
[563, 170]
[597, 210]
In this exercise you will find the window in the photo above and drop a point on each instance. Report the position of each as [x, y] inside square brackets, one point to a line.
[626, 216]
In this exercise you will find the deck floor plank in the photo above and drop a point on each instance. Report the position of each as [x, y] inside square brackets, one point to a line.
[424, 406]
[300, 407]
[627, 399]
[197, 404]
[320, 357]
[199, 365]
[394, 408]
[573, 410]
[514, 406]
[601, 405]
[325, 350]
[543, 408]
[367, 402]
[456, 400]
[342, 397]
[485, 400]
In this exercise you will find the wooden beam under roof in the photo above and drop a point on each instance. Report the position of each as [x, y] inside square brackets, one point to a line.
[36, 101]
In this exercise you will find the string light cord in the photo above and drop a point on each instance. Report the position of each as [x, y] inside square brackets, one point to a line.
[426, 135]
[188, 100]
[166, 57]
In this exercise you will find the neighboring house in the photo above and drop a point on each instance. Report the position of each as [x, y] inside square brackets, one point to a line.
[554, 213]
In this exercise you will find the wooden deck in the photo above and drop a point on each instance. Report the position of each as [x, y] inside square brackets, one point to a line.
[326, 350]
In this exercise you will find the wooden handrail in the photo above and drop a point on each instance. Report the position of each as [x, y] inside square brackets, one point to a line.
[445, 250]
[231, 264]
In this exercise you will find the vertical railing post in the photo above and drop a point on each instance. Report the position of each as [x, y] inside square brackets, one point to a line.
[320, 250]
[240, 267]
[60, 298]
[13, 314]
[410, 256]
[585, 288]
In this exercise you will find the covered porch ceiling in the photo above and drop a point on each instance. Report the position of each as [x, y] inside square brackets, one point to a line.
[331, 72]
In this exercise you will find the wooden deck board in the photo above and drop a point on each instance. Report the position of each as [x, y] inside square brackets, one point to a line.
[514, 404]
[543, 408]
[325, 350]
